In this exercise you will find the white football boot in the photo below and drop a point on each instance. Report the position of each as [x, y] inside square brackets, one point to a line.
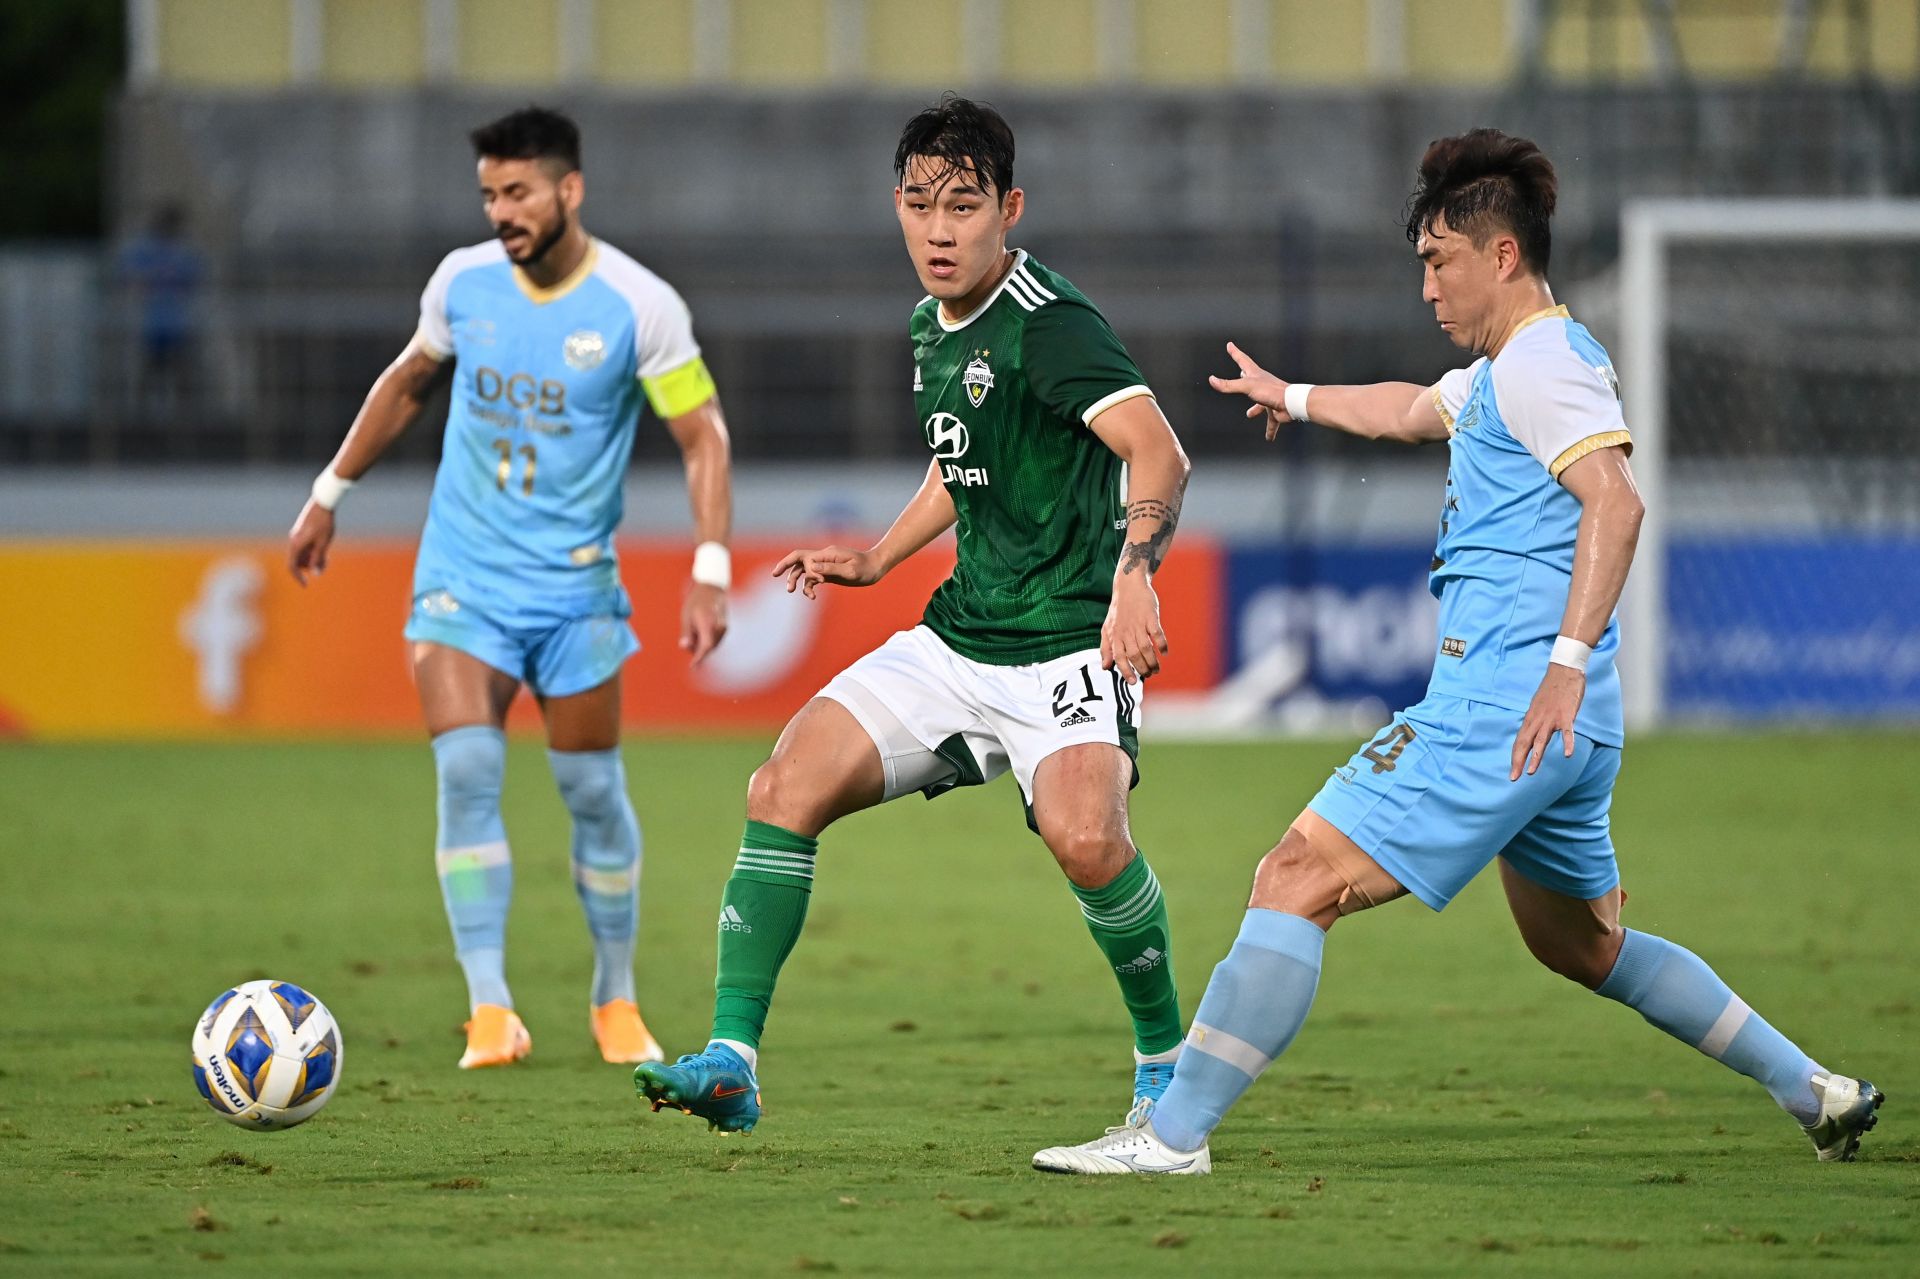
[1126, 1149]
[1847, 1109]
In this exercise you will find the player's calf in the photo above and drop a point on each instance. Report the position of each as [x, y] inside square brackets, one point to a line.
[472, 859]
[1674, 989]
[606, 863]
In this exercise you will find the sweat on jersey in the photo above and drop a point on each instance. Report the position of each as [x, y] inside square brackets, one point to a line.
[1504, 562]
[1005, 397]
[545, 397]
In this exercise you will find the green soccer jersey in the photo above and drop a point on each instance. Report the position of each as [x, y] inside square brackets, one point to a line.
[1005, 397]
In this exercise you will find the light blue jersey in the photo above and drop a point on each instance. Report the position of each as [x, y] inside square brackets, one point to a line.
[1431, 798]
[546, 393]
[1504, 562]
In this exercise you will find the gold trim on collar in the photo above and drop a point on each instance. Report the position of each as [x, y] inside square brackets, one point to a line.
[1548, 314]
[541, 296]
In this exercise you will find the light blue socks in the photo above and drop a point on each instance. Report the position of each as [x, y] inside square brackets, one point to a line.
[606, 862]
[476, 871]
[1254, 1006]
[1674, 989]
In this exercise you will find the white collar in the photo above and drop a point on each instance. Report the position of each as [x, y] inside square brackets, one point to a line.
[1019, 260]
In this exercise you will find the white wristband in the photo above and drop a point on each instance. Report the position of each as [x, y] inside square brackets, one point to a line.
[1568, 651]
[713, 565]
[329, 488]
[1296, 400]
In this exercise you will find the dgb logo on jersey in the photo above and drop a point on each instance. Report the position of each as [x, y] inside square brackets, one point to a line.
[978, 379]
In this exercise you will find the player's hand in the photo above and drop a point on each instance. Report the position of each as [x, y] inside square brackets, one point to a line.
[837, 565]
[308, 540]
[703, 621]
[1268, 393]
[1132, 639]
[1553, 710]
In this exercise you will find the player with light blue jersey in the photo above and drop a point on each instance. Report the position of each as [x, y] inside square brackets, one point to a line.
[550, 341]
[1513, 753]
[547, 390]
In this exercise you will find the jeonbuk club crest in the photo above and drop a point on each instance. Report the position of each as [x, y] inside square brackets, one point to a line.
[978, 379]
[584, 350]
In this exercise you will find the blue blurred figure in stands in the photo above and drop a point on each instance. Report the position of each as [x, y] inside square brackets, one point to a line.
[163, 271]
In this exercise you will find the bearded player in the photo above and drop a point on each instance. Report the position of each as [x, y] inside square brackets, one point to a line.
[551, 339]
[1514, 751]
[1051, 456]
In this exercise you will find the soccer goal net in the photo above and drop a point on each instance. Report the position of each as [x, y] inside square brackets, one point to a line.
[1769, 355]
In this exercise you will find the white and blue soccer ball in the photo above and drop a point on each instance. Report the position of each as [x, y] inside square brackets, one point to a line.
[266, 1055]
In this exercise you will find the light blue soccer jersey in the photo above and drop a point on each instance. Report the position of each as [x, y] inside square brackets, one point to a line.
[1504, 561]
[546, 393]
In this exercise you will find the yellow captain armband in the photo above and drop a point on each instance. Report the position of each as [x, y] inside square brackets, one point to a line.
[680, 390]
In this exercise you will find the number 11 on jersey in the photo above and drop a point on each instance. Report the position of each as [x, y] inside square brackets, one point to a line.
[505, 470]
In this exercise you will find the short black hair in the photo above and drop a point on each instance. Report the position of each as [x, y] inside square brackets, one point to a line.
[1485, 181]
[531, 133]
[966, 136]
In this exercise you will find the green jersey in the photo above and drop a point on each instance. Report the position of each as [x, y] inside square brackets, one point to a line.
[1005, 397]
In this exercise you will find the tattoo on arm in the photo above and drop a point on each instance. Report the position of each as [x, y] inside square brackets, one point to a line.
[1153, 550]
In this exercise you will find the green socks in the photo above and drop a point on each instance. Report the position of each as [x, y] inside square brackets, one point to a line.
[1128, 920]
[765, 906]
[761, 914]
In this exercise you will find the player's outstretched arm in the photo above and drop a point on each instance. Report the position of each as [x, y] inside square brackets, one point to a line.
[1132, 639]
[398, 396]
[926, 517]
[1610, 516]
[706, 452]
[1400, 411]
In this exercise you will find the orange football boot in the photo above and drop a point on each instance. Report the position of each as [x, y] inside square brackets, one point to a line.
[495, 1037]
[622, 1036]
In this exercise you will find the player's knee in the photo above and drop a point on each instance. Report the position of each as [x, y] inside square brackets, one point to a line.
[778, 795]
[1582, 961]
[1093, 856]
[1295, 879]
[590, 785]
[470, 763]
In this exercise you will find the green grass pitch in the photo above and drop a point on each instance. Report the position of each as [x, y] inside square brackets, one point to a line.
[1449, 1108]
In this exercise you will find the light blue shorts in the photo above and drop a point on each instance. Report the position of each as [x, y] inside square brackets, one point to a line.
[1429, 800]
[555, 654]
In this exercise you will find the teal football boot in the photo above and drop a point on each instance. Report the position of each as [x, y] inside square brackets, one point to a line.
[717, 1085]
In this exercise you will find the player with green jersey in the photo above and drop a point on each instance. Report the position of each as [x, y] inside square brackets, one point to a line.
[1039, 508]
[1063, 481]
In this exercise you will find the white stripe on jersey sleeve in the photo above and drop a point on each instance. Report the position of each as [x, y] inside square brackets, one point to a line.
[662, 325]
[436, 333]
[1018, 292]
[1033, 285]
[1551, 399]
[1451, 391]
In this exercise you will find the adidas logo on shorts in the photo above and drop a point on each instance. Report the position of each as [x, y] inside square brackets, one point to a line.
[1079, 716]
[1148, 960]
[730, 921]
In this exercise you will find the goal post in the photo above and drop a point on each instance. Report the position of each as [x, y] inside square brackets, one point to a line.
[1798, 295]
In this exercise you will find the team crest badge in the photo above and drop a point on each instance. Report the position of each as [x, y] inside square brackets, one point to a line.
[978, 379]
[584, 349]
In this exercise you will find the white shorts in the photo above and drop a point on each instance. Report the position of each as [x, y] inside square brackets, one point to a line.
[941, 720]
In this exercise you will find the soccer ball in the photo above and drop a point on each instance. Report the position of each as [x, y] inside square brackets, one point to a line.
[266, 1055]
